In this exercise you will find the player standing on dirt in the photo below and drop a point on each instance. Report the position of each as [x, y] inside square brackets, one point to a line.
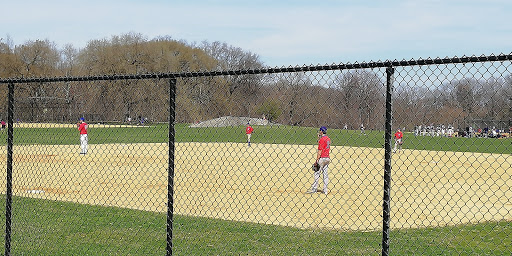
[323, 160]
[248, 131]
[82, 128]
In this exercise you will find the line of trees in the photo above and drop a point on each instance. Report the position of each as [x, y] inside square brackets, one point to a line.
[334, 98]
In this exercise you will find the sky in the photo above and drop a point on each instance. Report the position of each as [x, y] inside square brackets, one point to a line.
[281, 32]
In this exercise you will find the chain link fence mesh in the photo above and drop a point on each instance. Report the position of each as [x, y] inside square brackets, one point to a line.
[451, 172]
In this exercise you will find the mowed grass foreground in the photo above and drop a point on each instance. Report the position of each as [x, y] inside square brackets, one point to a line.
[82, 229]
[43, 227]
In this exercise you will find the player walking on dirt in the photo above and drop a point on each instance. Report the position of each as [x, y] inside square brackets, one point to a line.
[323, 160]
[82, 128]
[398, 140]
[248, 131]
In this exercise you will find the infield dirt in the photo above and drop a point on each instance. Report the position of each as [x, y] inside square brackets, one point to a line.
[266, 183]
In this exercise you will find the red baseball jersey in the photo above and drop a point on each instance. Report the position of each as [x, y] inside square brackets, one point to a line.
[83, 128]
[324, 144]
[248, 130]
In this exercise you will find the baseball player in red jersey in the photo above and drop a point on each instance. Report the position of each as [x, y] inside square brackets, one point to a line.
[248, 131]
[398, 140]
[323, 160]
[82, 128]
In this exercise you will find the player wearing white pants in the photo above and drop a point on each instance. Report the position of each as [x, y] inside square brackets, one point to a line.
[324, 166]
[398, 140]
[82, 128]
[83, 143]
[323, 160]
[248, 131]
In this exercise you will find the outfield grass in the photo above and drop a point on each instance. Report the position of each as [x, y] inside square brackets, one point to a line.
[263, 134]
[82, 229]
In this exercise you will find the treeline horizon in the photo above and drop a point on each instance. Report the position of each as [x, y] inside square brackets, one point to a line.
[422, 95]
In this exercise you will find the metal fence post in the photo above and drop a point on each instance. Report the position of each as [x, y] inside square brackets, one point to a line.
[510, 115]
[8, 201]
[170, 183]
[387, 163]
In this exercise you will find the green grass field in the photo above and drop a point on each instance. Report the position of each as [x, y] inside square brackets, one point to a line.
[116, 231]
[105, 230]
[262, 134]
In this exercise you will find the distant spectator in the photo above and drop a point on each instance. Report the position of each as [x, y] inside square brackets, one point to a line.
[141, 120]
[494, 133]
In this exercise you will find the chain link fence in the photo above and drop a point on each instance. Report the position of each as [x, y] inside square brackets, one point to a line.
[170, 169]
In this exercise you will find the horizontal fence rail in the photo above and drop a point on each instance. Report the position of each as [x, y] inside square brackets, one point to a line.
[363, 65]
[221, 162]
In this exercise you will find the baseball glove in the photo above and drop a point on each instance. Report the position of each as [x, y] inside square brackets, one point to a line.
[316, 167]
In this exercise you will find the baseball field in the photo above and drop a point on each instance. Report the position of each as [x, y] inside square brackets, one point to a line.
[266, 183]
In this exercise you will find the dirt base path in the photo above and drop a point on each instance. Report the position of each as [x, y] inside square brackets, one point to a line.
[266, 183]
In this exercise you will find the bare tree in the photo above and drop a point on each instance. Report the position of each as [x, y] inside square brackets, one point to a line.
[465, 95]
[38, 58]
[239, 87]
[362, 97]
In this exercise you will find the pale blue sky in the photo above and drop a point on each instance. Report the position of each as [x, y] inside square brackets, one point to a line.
[282, 33]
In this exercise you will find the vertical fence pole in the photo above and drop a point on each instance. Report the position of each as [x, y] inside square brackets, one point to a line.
[387, 163]
[8, 200]
[170, 182]
[510, 115]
